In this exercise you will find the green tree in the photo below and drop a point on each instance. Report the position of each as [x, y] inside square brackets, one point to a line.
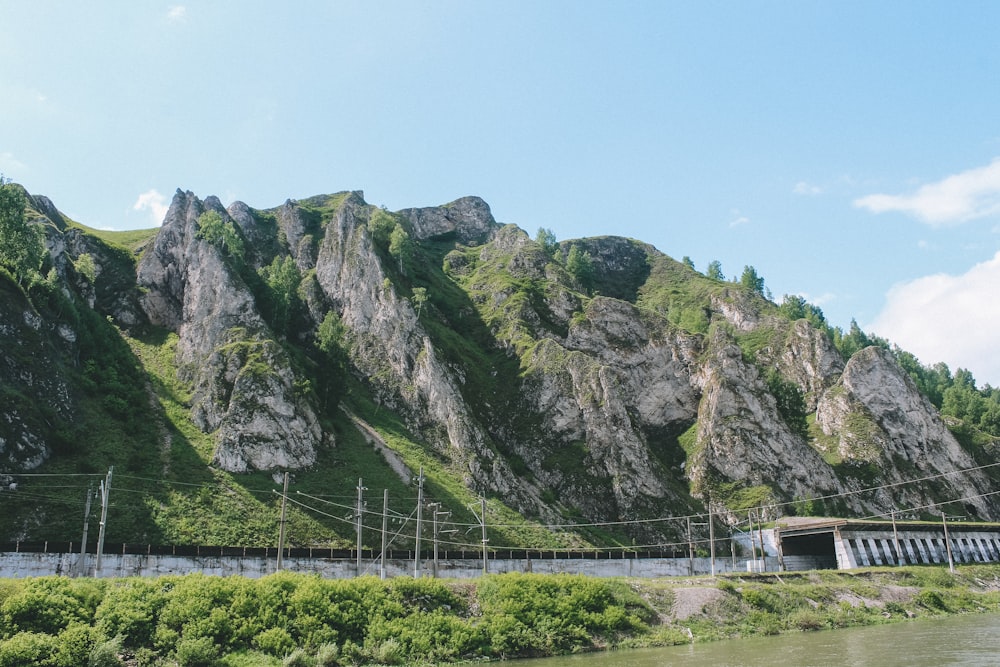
[963, 402]
[380, 226]
[793, 307]
[791, 403]
[853, 341]
[331, 342]
[693, 319]
[580, 265]
[686, 261]
[220, 233]
[547, 239]
[714, 270]
[400, 247]
[751, 281]
[85, 266]
[282, 278]
[989, 422]
[931, 381]
[21, 245]
[419, 298]
[963, 378]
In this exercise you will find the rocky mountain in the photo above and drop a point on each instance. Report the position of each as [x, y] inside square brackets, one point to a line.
[587, 381]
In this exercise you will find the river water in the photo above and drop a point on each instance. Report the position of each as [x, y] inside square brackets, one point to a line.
[971, 640]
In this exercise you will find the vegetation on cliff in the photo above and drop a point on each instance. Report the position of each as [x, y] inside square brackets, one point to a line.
[567, 382]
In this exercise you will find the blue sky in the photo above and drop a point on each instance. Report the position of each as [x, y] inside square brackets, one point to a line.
[849, 151]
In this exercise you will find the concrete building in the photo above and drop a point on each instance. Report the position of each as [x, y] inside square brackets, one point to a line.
[810, 544]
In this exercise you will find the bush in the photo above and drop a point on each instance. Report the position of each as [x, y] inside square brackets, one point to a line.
[275, 641]
[434, 636]
[29, 648]
[196, 652]
[327, 655]
[49, 605]
[527, 615]
[806, 619]
[130, 610]
[388, 652]
[298, 658]
[106, 654]
[197, 606]
[931, 599]
[764, 623]
[760, 599]
[75, 645]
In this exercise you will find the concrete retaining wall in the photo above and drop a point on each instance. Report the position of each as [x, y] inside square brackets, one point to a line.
[15, 565]
[865, 548]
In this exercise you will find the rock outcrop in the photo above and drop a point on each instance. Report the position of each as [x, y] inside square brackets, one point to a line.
[244, 386]
[635, 389]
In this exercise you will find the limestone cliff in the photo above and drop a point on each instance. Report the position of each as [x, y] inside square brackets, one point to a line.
[617, 386]
[244, 386]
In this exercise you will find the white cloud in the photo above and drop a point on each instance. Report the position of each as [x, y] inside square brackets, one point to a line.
[803, 188]
[958, 198]
[177, 13]
[738, 218]
[10, 164]
[948, 318]
[153, 202]
[819, 300]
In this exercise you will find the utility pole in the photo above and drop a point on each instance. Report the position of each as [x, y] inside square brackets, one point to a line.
[711, 537]
[691, 543]
[434, 507]
[690, 549]
[482, 509]
[437, 532]
[105, 489]
[420, 517]
[947, 542]
[360, 514]
[86, 528]
[760, 538]
[385, 527]
[281, 524]
[753, 549]
[895, 538]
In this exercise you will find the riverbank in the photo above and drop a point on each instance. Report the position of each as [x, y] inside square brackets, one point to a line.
[295, 620]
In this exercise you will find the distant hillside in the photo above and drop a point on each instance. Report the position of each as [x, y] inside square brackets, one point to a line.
[589, 389]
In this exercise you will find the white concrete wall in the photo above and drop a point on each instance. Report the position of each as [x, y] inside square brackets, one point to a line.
[16, 565]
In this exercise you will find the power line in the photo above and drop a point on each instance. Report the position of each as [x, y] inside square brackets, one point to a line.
[31, 493]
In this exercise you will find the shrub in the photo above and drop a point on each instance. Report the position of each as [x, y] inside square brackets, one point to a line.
[327, 655]
[931, 599]
[541, 615]
[106, 654]
[806, 619]
[388, 652]
[49, 605]
[196, 652]
[197, 606]
[298, 658]
[764, 623]
[275, 641]
[130, 609]
[75, 645]
[433, 636]
[760, 599]
[351, 653]
[29, 648]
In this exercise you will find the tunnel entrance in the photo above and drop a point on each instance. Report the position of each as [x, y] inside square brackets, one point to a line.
[809, 547]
